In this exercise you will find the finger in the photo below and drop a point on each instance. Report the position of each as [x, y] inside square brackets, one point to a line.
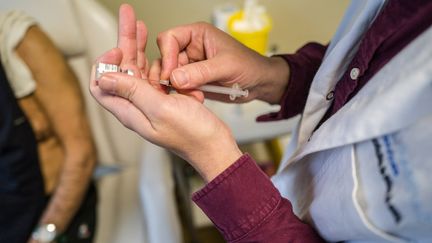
[141, 94]
[129, 115]
[170, 44]
[155, 70]
[146, 69]
[127, 35]
[196, 74]
[141, 45]
[154, 76]
[183, 59]
[113, 56]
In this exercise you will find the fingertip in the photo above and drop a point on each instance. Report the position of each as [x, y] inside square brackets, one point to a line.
[169, 49]
[94, 85]
[141, 36]
[180, 79]
[109, 84]
[125, 7]
[198, 95]
[93, 82]
[127, 20]
[141, 25]
[113, 56]
[155, 70]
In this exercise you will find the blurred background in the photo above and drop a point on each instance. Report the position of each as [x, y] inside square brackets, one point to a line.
[144, 191]
[294, 21]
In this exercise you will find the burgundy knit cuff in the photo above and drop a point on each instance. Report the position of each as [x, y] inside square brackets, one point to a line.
[238, 199]
[303, 66]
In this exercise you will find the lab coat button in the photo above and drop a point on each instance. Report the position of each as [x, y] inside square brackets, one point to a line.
[330, 95]
[354, 73]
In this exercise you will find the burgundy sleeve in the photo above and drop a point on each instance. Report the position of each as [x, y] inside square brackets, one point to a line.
[303, 66]
[245, 206]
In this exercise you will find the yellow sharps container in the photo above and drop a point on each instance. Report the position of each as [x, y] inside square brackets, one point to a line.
[251, 27]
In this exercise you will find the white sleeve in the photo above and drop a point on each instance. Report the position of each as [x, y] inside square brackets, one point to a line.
[13, 27]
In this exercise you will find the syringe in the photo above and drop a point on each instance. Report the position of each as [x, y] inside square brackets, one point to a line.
[233, 92]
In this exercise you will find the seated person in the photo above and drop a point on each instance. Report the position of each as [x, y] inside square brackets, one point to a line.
[49, 95]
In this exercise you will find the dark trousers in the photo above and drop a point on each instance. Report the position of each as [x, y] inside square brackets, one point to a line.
[21, 184]
[82, 228]
[22, 197]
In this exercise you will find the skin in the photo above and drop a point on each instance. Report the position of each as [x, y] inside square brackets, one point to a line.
[179, 121]
[57, 115]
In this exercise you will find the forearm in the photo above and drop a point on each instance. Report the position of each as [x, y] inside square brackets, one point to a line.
[246, 207]
[59, 96]
[67, 197]
[74, 175]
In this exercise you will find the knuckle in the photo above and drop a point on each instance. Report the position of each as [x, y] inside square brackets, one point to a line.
[203, 71]
[162, 36]
[165, 110]
[132, 90]
[202, 24]
[123, 117]
[126, 122]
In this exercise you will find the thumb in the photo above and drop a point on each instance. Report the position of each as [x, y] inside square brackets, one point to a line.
[199, 73]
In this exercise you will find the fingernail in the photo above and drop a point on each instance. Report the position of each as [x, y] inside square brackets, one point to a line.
[180, 77]
[108, 84]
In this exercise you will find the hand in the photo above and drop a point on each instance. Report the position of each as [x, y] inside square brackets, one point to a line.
[174, 121]
[196, 54]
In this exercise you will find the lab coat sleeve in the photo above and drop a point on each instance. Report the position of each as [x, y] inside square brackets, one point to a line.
[303, 66]
[245, 207]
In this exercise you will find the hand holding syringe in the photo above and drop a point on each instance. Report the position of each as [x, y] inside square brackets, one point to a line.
[233, 92]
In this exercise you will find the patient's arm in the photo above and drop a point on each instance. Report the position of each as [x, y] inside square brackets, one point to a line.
[65, 133]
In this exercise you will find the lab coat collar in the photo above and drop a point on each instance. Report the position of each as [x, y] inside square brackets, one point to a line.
[358, 18]
[397, 96]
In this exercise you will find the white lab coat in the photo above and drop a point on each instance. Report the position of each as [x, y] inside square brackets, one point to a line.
[366, 173]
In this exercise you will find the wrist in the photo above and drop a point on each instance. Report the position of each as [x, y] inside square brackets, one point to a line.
[45, 233]
[218, 156]
[218, 165]
[274, 82]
